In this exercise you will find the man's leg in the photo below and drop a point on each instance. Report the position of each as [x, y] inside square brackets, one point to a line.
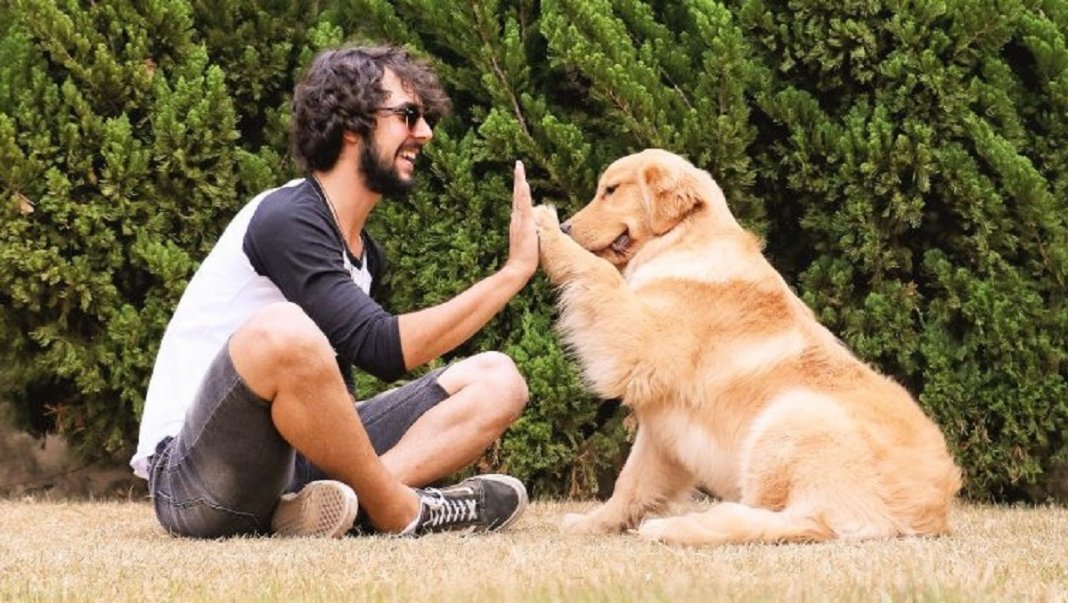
[484, 395]
[441, 423]
[283, 357]
[223, 473]
[429, 432]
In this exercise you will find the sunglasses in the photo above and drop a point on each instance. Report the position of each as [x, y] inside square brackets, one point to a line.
[411, 114]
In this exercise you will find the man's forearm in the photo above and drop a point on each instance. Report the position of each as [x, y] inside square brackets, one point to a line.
[429, 333]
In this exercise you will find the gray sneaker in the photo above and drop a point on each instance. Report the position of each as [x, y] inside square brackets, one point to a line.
[485, 503]
[321, 508]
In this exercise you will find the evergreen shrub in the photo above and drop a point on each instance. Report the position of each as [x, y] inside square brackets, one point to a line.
[120, 162]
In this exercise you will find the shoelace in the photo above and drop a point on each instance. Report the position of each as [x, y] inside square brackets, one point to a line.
[443, 510]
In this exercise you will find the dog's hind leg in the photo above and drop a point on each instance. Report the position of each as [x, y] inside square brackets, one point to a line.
[735, 523]
[806, 501]
[805, 455]
[649, 480]
[807, 474]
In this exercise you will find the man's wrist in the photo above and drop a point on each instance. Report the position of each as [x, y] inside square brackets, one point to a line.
[517, 273]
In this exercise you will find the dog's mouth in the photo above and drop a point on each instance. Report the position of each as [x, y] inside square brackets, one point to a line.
[618, 251]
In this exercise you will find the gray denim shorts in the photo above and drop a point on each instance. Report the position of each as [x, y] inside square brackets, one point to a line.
[223, 474]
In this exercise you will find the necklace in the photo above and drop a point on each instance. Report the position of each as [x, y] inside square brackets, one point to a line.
[360, 275]
[333, 210]
[337, 219]
[345, 248]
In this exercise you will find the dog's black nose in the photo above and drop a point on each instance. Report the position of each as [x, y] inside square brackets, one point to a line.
[566, 227]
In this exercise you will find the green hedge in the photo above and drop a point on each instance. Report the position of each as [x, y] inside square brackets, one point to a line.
[906, 164]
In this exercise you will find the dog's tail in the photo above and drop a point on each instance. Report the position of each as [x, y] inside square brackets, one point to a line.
[735, 523]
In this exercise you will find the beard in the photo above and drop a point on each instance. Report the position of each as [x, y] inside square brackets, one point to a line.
[380, 174]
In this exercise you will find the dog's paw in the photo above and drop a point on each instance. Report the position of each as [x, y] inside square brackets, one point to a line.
[584, 523]
[669, 530]
[546, 219]
[575, 523]
[655, 529]
[682, 531]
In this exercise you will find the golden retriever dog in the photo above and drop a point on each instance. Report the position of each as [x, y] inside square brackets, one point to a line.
[670, 305]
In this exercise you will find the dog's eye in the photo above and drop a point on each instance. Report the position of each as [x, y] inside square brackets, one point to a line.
[608, 190]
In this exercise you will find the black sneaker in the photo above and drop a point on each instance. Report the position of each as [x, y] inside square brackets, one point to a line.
[485, 503]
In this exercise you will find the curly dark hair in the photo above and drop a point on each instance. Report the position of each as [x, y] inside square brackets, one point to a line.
[340, 90]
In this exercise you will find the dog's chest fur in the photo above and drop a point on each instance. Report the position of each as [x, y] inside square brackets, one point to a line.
[697, 449]
[716, 261]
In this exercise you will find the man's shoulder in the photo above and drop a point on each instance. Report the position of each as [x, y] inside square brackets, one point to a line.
[288, 219]
[285, 209]
[292, 197]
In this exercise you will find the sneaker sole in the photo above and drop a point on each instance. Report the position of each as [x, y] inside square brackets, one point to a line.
[323, 508]
[516, 485]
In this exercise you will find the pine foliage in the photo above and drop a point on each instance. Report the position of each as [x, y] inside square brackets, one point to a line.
[119, 165]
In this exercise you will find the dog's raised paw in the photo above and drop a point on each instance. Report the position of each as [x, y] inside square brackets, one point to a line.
[545, 218]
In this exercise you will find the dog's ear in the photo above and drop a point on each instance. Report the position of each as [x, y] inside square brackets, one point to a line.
[669, 193]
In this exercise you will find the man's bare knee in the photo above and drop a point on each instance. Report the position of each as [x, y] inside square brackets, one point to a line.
[277, 344]
[501, 377]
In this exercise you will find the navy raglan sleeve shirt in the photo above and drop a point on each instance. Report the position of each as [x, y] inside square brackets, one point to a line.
[292, 240]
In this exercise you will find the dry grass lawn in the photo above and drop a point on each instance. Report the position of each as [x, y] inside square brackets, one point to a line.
[115, 551]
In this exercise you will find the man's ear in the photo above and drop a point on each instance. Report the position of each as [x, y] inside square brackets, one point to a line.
[669, 193]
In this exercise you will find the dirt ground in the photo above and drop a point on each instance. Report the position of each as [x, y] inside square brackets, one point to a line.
[45, 467]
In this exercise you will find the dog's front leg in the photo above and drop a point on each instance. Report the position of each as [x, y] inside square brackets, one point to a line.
[562, 258]
[601, 319]
[649, 480]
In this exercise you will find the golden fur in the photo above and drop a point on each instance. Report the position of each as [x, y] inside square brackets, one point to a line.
[734, 384]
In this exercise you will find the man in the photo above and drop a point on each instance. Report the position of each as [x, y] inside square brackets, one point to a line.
[249, 424]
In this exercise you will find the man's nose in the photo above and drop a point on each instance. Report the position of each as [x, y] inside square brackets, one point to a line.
[422, 130]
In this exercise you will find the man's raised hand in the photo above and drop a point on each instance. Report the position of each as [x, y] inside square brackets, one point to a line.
[523, 236]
